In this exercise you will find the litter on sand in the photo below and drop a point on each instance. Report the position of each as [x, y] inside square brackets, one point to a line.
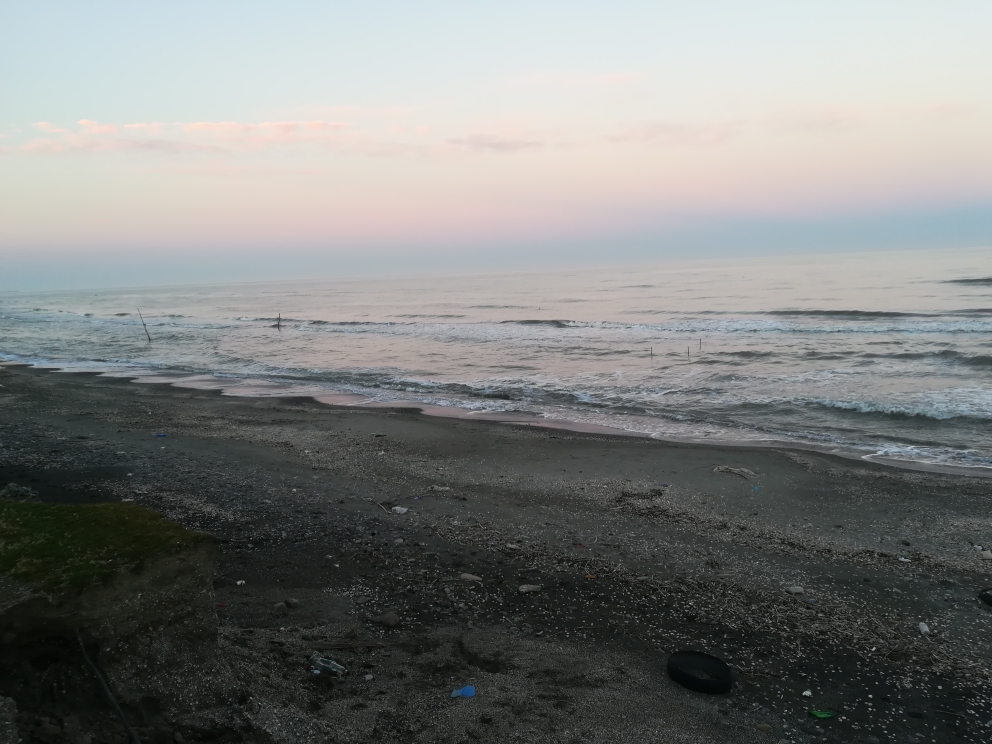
[322, 665]
[400, 510]
[924, 629]
[467, 691]
[742, 472]
[822, 713]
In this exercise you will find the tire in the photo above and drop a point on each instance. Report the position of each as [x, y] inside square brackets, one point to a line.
[700, 672]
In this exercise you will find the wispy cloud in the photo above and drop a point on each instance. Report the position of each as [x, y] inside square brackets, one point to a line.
[572, 80]
[494, 143]
[678, 132]
[44, 126]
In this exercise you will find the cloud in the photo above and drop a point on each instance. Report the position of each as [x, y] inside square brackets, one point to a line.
[678, 133]
[491, 143]
[89, 127]
[571, 80]
[47, 128]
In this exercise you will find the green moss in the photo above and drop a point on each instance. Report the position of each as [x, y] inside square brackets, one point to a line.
[64, 546]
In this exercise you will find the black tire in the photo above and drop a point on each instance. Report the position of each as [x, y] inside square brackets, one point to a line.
[700, 672]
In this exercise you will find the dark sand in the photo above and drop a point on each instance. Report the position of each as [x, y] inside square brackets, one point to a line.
[640, 546]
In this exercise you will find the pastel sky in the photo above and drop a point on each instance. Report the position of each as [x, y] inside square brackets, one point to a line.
[292, 137]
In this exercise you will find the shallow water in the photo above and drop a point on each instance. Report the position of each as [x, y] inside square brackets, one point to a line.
[882, 355]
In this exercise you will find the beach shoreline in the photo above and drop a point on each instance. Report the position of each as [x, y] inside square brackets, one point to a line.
[247, 388]
[689, 545]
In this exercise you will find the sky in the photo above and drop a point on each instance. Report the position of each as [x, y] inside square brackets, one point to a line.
[196, 141]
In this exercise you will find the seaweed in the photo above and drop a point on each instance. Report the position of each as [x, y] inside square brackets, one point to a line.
[68, 546]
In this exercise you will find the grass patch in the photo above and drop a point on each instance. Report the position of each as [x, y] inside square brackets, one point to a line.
[67, 546]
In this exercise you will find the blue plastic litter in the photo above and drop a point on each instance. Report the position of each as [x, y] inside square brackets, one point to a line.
[160, 435]
[755, 488]
[467, 691]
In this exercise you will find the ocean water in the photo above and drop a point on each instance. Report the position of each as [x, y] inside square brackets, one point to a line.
[885, 355]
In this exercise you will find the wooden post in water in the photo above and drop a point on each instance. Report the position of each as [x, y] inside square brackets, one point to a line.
[687, 353]
[144, 326]
[279, 321]
[652, 352]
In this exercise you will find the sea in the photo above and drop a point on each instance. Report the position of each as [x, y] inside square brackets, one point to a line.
[884, 356]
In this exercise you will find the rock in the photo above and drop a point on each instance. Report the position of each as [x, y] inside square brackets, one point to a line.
[177, 737]
[924, 629]
[361, 600]
[8, 721]
[470, 577]
[398, 541]
[872, 740]
[795, 590]
[986, 555]
[986, 596]
[511, 546]
[399, 510]
[389, 619]
[292, 604]
[764, 727]
[530, 588]
[281, 608]
[369, 677]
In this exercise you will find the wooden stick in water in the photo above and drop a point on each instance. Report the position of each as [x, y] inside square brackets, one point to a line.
[279, 321]
[144, 326]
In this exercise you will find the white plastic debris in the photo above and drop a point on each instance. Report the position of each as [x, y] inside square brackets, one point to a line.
[469, 577]
[808, 693]
[240, 582]
[924, 629]
[530, 588]
[904, 560]
[400, 510]
[511, 546]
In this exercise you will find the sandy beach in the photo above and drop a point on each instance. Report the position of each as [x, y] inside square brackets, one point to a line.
[639, 548]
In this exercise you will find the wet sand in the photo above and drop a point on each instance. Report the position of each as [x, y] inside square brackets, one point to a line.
[641, 547]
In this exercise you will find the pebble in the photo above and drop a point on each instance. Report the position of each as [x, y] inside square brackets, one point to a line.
[400, 510]
[280, 607]
[361, 600]
[986, 596]
[511, 546]
[766, 727]
[389, 619]
[470, 577]
[530, 588]
[369, 677]
[872, 740]
[924, 629]
[292, 603]
[795, 590]
[986, 555]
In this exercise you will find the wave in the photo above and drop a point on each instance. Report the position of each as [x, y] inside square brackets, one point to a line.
[983, 281]
[852, 314]
[971, 360]
[550, 323]
[933, 412]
